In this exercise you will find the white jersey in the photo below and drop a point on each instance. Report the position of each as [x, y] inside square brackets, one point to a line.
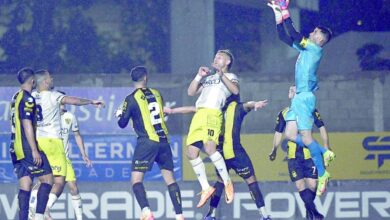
[48, 109]
[214, 92]
[68, 123]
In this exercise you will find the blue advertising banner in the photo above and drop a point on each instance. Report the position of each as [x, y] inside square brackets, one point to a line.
[92, 120]
[111, 156]
[99, 121]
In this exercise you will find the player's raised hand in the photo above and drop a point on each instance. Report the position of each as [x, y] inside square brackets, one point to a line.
[260, 104]
[283, 4]
[88, 162]
[167, 110]
[203, 71]
[37, 158]
[98, 103]
[277, 11]
[272, 155]
[119, 111]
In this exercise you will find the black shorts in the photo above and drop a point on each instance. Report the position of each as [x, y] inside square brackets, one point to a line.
[241, 163]
[300, 168]
[147, 152]
[26, 166]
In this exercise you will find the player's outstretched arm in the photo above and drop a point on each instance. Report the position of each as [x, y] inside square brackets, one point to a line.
[80, 144]
[232, 86]
[282, 34]
[71, 100]
[248, 106]
[180, 110]
[321, 126]
[195, 86]
[123, 113]
[277, 140]
[324, 137]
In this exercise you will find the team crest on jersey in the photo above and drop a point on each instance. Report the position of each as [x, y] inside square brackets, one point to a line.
[67, 120]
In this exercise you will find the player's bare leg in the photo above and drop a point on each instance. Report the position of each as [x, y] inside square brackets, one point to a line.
[219, 163]
[76, 199]
[58, 187]
[200, 172]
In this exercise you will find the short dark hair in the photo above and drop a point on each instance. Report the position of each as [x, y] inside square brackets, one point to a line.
[138, 72]
[230, 55]
[326, 32]
[24, 74]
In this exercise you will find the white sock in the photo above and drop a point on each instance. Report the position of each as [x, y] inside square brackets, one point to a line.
[213, 212]
[219, 163]
[179, 216]
[77, 206]
[145, 210]
[200, 171]
[52, 199]
[263, 212]
[33, 203]
[38, 216]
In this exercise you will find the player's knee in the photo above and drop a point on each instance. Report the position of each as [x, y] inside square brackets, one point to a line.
[48, 179]
[210, 148]
[250, 179]
[73, 189]
[191, 155]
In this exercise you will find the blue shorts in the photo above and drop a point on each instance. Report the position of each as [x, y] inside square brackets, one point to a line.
[302, 108]
[241, 163]
[147, 152]
[26, 166]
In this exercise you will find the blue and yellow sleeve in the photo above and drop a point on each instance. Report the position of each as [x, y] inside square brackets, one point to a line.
[280, 123]
[317, 119]
[27, 108]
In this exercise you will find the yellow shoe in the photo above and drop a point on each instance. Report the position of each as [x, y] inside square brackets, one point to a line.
[322, 183]
[205, 195]
[229, 192]
[328, 156]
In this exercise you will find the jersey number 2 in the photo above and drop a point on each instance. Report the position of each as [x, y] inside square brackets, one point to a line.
[154, 109]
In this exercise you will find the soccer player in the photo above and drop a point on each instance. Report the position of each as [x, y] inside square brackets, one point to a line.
[300, 165]
[49, 128]
[206, 124]
[28, 159]
[300, 116]
[233, 152]
[69, 123]
[145, 107]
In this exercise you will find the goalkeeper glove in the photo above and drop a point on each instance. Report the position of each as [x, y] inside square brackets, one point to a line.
[283, 4]
[277, 11]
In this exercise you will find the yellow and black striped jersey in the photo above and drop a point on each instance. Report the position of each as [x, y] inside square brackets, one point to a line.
[234, 115]
[145, 107]
[23, 107]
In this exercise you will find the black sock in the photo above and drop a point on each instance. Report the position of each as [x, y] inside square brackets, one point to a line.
[24, 198]
[256, 194]
[217, 195]
[174, 193]
[42, 197]
[308, 197]
[140, 195]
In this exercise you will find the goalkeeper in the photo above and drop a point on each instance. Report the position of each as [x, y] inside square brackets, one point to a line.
[300, 116]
